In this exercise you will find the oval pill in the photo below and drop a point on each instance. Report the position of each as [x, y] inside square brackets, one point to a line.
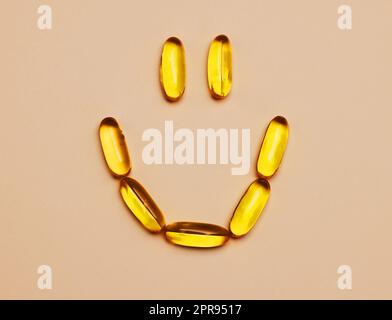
[250, 207]
[273, 147]
[114, 147]
[219, 68]
[141, 205]
[172, 69]
[196, 234]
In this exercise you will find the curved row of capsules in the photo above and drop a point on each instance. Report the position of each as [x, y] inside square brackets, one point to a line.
[195, 234]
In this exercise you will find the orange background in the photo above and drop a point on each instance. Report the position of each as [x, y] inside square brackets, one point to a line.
[330, 202]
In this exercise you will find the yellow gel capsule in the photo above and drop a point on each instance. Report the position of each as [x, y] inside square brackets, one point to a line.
[114, 147]
[250, 207]
[219, 67]
[172, 69]
[142, 205]
[196, 234]
[273, 147]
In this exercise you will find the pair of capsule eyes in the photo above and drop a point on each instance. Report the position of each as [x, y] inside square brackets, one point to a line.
[173, 70]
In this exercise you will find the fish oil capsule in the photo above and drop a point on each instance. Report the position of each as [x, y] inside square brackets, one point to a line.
[273, 147]
[250, 207]
[172, 69]
[219, 68]
[196, 234]
[141, 205]
[114, 147]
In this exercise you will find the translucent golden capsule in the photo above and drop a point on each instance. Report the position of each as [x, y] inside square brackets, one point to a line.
[114, 147]
[172, 69]
[250, 207]
[142, 205]
[273, 147]
[219, 68]
[196, 234]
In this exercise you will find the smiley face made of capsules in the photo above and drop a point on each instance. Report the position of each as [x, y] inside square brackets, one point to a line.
[139, 201]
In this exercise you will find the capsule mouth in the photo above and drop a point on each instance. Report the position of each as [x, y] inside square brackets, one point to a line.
[214, 235]
[197, 228]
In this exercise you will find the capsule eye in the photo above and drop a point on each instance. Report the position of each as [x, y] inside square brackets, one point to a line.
[172, 69]
[219, 67]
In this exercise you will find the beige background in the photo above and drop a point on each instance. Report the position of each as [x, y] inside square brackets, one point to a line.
[330, 203]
